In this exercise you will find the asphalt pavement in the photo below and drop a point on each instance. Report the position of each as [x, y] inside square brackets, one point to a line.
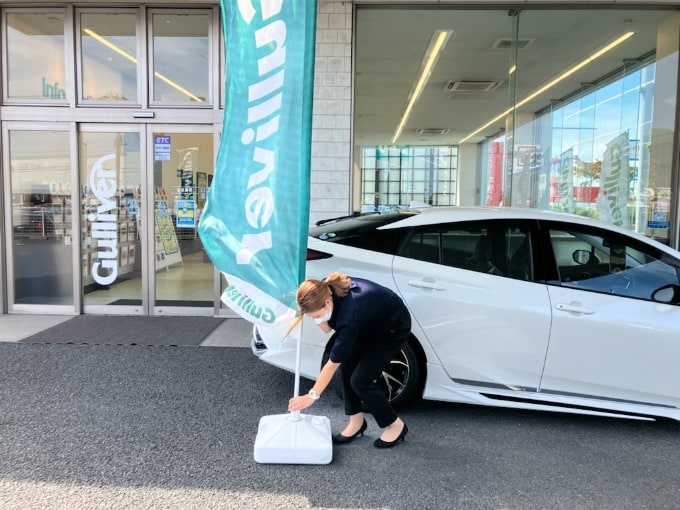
[151, 427]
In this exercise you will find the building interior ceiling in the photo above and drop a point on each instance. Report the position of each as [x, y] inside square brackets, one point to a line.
[391, 43]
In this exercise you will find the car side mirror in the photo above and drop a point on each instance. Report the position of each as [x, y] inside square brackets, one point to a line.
[582, 257]
[669, 294]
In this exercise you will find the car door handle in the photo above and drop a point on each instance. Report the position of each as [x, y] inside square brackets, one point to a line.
[425, 284]
[574, 308]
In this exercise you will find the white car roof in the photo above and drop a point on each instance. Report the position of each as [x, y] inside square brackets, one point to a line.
[444, 214]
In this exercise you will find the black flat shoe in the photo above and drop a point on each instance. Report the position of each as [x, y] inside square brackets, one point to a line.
[340, 439]
[379, 443]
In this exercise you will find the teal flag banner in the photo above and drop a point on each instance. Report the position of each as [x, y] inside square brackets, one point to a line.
[255, 222]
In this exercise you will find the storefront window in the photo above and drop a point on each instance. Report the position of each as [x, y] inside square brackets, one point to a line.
[108, 49]
[603, 146]
[181, 57]
[392, 177]
[598, 153]
[101, 210]
[567, 110]
[35, 56]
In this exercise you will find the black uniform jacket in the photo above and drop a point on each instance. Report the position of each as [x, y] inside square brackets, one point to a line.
[363, 318]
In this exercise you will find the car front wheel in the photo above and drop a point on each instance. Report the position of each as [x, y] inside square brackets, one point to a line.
[400, 379]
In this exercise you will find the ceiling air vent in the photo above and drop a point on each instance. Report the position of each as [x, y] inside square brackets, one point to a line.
[432, 131]
[505, 43]
[472, 86]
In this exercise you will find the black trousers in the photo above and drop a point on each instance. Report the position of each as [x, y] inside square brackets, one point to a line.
[366, 362]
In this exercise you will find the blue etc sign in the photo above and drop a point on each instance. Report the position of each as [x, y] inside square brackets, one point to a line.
[161, 148]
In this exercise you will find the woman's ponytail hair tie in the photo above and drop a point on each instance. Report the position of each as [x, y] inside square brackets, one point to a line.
[339, 283]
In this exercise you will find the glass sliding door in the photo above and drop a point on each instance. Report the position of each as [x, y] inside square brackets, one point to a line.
[111, 219]
[183, 164]
[38, 219]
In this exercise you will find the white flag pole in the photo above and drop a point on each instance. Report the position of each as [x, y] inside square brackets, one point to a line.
[295, 415]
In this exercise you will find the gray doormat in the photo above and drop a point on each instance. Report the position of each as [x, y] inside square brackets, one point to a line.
[128, 330]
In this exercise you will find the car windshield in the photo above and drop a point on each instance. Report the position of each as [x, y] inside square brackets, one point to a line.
[351, 226]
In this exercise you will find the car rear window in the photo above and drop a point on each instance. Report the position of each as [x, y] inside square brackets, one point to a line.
[361, 231]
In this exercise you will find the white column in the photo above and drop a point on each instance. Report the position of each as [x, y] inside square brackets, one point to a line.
[467, 183]
[331, 165]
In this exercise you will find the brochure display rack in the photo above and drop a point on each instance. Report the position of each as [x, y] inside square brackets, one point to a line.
[167, 252]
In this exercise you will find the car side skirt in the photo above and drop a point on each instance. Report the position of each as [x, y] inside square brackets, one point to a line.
[439, 387]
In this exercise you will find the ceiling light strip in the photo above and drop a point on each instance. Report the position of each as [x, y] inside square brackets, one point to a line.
[553, 82]
[434, 48]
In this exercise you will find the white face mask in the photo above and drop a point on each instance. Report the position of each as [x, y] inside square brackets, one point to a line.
[325, 318]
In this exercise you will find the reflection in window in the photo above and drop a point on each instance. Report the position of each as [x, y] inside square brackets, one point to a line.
[35, 56]
[610, 264]
[593, 157]
[109, 56]
[598, 143]
[181, 57]
[42, 210]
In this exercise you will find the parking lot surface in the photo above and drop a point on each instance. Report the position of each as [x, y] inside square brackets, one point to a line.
[134, 427]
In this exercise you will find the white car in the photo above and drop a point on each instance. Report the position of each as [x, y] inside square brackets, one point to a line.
[513, 308]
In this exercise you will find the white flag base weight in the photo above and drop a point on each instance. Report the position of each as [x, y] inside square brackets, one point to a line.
[294, 438]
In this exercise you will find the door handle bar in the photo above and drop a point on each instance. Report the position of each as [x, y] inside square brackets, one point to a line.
[573, 308]
[426, 285]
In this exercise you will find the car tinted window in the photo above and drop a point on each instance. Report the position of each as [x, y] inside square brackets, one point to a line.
[363, 231]
[498, 250]
[608, 262]
[382, 241]
[423, 245]
[332, 230]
